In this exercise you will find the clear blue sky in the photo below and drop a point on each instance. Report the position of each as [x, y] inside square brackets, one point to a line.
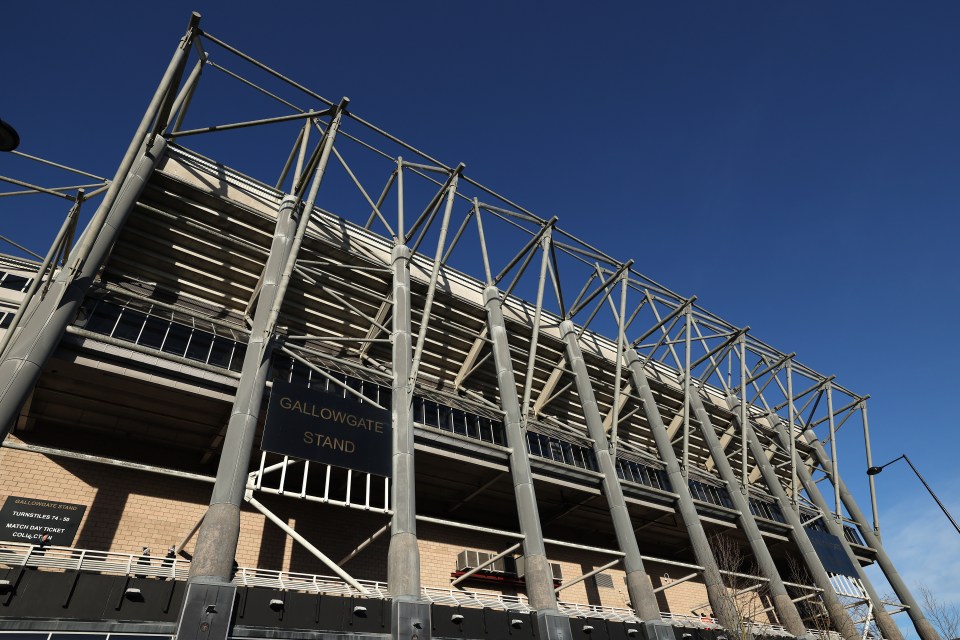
[793, 164]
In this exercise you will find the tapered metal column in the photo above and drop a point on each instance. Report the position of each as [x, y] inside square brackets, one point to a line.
[38, 337]
[210, 583]
[403, 557]
[887, 626]
[639, 589]
[216, 545]
[924, 629]
[838, 614]
[716, 590]
[537, 572]
[785, 608]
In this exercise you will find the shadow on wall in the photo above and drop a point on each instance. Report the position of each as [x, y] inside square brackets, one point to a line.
[134, 495]
[590, 585]
[335, 531]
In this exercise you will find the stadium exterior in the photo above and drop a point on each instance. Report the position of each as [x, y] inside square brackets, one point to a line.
[498, 429]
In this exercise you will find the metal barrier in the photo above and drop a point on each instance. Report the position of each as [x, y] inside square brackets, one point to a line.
[23, 555]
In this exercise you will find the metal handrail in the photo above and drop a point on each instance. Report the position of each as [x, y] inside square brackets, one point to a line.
[21, 555]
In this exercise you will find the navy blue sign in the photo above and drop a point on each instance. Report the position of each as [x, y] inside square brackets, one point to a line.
[328, 428]
[832, 553]
[29, 520]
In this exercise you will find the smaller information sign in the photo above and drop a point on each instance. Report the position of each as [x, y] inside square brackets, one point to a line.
[327, 428]
[29, 519]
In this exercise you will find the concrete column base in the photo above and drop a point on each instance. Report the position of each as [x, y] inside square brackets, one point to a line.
[410, 620]
[657, 630]
[207, 610]
[553, 625]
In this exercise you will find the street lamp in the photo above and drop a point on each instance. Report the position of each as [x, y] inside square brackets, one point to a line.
[872, 471]
[9, 140]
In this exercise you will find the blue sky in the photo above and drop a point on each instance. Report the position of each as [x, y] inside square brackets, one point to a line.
[793, 164]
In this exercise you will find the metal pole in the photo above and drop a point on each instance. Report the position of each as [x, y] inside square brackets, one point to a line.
[25, 357]
[786, 609]
[873, 488]
[67, 225]
[168, 84]
[716, 590]
[538, 575]
[618, 373]
[838, 514]
[36, 341]
[933, 495]
[686, 392]
[639, 588]
[537, 315]
[210, 582]
[403, 557]
[211, 569]
[924, 629]
[217, 539]
[887, 626]
[588, 575]
[363, 545]
[792, 413]
[743, 410]
[183, 542]
[841, 619]
[290, 531]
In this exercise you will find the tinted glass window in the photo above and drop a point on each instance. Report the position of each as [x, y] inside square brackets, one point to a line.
[177, 338]
[104, 317]
[153, 332]
[128, 328]
[220, 354]
[17, 283]
[199, 347]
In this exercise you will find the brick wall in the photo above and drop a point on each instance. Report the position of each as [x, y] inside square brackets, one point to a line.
[127, 510]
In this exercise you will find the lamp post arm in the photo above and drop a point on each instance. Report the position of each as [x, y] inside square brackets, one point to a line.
[902, 456]
[940, 504]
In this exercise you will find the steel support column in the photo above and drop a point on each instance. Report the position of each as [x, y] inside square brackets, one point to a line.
[838, 614]
[209, 596]
[783, 604]
[38, 337]
[639, 588]
[33, 344]
[403, 556]
[208, 601]
[211, 570]
[538, 575]
[716, 590]
[887, 626]
[924, 629]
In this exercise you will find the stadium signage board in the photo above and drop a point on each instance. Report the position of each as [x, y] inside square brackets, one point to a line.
[329, 429]
[29, 519]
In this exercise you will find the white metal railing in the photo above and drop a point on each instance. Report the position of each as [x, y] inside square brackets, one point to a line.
[578, 610]
[82, 635]
[476, 599]
[825, 635]
[848, 586]
[709, 622]
[19, 554]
